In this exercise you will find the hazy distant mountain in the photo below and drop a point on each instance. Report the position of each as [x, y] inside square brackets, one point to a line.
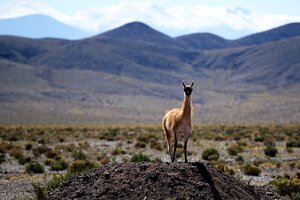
[134, 73]
[39, 26]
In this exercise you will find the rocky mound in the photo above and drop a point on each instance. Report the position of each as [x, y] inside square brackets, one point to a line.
[156, 181]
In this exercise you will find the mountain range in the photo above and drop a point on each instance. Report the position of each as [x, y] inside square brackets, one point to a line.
[133, 73]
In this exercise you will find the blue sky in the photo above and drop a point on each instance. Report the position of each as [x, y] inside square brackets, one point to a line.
[228, 18]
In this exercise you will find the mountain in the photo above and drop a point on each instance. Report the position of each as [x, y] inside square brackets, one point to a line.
[139, 31]
[134, 73]
[272, 64]
[207, 41]
[43, 27]
[201, 41]
[275, 34]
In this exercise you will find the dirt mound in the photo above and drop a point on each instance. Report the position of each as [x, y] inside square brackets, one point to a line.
[157, 181]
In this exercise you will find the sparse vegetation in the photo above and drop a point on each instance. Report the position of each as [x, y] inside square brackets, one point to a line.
[81, 166]
[234, 149]
[210, 154]
[34, 167]
[271, 150]
[79, 155]
[2, 158]
[82, 144]
[58, 165]
[239, 159]
[140, 158]
[251, 170]
[295, 144]
[288, 185]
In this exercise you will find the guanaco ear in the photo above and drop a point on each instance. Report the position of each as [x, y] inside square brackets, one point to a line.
[192, 85]
[183, 85]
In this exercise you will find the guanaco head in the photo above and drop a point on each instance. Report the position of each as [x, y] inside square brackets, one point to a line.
[188, 89]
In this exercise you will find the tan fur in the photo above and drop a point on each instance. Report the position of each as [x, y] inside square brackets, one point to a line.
[176, 122]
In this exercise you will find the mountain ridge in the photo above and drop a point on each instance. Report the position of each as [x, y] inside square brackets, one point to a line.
[110, 79]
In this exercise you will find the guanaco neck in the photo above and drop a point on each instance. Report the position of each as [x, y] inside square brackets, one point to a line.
[187, 106]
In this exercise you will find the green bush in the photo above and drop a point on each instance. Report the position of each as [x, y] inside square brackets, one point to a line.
[140, 158]
[271, 150]
[2, 158]
[23, 160]
[79, 155]
[81, 166]
[239, 160]
[288, 185]
[117, 151]
[251, 170]
[40, 150]
[58, 165]
[289, 149]
[234, 149]
[140, 144]
[293, 144]
[34, 167]
[154, 144]
[259, 138]
[51, 154]
[28, 146]
[40, 191]
[210, 154]
[16, 152]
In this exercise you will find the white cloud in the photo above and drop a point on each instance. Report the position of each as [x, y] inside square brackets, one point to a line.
[19, 8]
[174, 19]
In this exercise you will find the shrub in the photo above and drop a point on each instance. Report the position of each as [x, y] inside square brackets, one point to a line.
[40, 191]
[239, 160]
[51, 154]
[4, 146]
[288, 185]
[48, 162]
[155, 145]
[103, 159]
[259, 138]
[34, 167]
[79, 155]
[2, 158]
[58, 165]
[269, 141]
[140, 144]
[16, 152]
[28, 146]
[81, 166]
[210, 154]
[117, 151]
[40, 150]
[140, 158]
[234, 149]
[219, 138]
[251, 170]
[224, 167]
[293, 144]
[23, 160]
[271, 150]
[289, 149]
